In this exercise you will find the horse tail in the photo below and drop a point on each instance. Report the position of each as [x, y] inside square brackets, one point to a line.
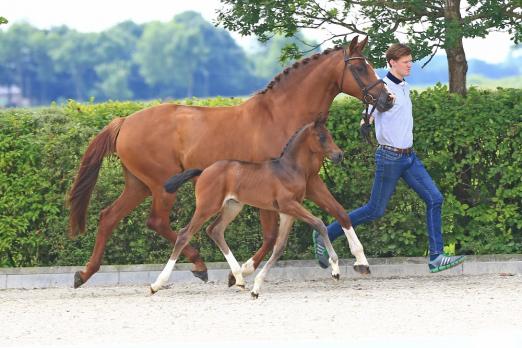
[175, 182]
[102, 145]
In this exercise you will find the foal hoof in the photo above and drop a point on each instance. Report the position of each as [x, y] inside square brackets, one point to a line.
[336, 276]
[152, 291]
[362, 269]
[254, 295]
[231, 279]
[78, 280]
[203, 275]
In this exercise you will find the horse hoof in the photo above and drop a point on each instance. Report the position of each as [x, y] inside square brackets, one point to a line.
[152, 291]
[362, 269]
[78, 280]
[203, 275]
[336, 276]
[254, 295]
[231, 279]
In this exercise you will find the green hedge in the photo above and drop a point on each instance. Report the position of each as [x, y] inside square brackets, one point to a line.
[480, 135]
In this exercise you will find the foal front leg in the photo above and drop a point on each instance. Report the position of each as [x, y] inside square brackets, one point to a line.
[285, 224]
[317, 192]
[297, 210]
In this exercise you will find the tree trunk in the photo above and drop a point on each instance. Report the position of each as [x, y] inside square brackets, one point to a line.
[457, 63]
[457, 69]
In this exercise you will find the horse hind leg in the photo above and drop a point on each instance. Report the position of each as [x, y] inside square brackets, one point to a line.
[133, 194]
[216, 231]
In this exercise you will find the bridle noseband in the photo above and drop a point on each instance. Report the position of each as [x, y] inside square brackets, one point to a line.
[367, 97]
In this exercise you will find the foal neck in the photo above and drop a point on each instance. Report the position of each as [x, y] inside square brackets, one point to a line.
[299, 156]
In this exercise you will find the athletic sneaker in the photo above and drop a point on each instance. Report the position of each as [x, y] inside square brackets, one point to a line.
[321, 254]
[443, 262]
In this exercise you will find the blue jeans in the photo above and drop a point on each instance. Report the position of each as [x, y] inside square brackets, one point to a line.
[390, 167]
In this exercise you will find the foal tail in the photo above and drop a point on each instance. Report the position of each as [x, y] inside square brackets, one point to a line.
[102, 145]
[175, 182]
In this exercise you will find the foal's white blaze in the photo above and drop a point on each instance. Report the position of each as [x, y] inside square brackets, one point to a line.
[356, 247]
[248, 267]
[164, 276]
[235, 268]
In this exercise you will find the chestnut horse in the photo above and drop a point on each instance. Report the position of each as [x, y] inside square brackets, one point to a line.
[154, 143]
[277, 185]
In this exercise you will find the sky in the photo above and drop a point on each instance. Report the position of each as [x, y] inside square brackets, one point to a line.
[98, 15]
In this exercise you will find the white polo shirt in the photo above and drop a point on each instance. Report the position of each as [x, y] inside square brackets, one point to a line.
[395, 126]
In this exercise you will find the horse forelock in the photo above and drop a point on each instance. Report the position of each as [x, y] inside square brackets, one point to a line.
[305, 61]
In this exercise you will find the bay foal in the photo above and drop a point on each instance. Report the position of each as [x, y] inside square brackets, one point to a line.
[277, 185]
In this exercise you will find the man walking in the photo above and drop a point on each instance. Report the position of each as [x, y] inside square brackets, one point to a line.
[395, 159]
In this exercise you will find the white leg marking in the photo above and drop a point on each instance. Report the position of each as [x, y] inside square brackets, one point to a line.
[235, 268]
[335, 268]
[260, 278]
[356, 247]
[164, 276]
[248, 267]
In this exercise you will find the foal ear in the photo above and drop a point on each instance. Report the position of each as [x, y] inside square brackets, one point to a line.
[353, 44]
[363, 43]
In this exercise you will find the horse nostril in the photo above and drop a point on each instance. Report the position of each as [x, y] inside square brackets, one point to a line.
[338, 157]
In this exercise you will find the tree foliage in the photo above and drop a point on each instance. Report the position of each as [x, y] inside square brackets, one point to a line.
[426, 25]
[182, 57]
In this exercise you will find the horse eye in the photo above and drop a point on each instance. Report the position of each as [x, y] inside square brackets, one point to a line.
[322, 138]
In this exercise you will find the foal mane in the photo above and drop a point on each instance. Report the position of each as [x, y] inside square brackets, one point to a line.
[296, 65]
[291, 140]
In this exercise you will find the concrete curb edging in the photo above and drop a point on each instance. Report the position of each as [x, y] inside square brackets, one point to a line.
[53, 277]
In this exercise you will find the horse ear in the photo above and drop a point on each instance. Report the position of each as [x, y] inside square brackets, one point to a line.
[353, 44]
[363, 43]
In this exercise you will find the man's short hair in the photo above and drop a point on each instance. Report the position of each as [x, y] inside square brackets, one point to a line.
[396, 51]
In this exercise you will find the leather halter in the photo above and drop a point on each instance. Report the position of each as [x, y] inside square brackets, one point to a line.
[367, 97]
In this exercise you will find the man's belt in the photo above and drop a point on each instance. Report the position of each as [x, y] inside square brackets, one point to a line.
[406, 151]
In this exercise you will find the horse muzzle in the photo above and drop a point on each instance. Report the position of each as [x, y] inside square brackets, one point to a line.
[385, 101]
[337, 157]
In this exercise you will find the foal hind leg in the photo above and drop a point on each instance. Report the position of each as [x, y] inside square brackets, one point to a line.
[201, 215]
[285, 225]
[133, 194]
[269, 227]
[159, 221]
[216, 231]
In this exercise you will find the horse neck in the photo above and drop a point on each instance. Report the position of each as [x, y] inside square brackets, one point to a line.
[299, 96]
[299, 156]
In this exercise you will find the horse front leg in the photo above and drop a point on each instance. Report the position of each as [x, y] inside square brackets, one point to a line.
[317, 192]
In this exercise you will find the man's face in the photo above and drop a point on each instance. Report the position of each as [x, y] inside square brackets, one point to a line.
[402, 66]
